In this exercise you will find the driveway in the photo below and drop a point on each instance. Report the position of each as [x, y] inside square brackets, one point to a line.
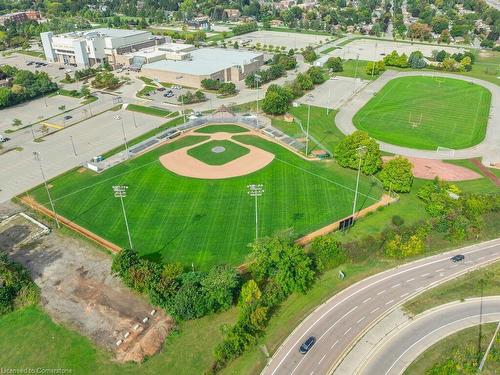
[488, 149]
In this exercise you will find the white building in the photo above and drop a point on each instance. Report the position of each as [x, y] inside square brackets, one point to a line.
[92, 47]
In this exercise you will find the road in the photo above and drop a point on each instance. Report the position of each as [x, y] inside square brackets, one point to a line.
[399, 350]
[487, 149]
[342, 320]
[493, 3]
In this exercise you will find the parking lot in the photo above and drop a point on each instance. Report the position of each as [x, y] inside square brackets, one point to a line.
[278, 38]
[333, 92]
[159, 95]
[374, 50]
[21, 62]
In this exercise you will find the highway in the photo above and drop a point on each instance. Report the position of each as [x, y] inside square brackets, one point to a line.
[343, 319]
[399, 350]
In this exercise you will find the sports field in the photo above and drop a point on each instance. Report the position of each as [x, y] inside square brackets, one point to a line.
[206, 222]
[426, 113]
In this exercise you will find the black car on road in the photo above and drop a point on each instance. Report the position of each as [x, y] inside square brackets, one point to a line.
[307, 345]
[457, 258]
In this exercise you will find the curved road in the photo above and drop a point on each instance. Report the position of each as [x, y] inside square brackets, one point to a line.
[398, 351]
[488, 148]
[342, 320]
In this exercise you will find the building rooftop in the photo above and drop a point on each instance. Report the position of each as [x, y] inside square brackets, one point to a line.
[205, 61]
[113, 33]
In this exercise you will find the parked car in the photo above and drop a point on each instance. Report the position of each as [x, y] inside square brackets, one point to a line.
[168, 95]
[307, 345]
[68, 70]
[161, 89]
[29, 63]
[61, 68]
[68, 117]
[4, 139]
[457, 258]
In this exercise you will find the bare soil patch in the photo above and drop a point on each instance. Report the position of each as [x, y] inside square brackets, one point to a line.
[429, 169]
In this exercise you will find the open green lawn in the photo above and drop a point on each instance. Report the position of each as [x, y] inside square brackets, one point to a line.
[206, 222]
[463, 342]
[353, 68]
[420, 112]
[206, 153]
[154, 111]
[227, 128]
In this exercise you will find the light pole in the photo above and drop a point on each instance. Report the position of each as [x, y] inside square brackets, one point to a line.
[258, 79]
[361, 151]
[256, 190]
[133, 116]
[73, 145]
[329, 98]
[38, 158]
[120, 191]
[308, 99]
[373, 66]
[123, 132]
[183, 111]
[356, 71]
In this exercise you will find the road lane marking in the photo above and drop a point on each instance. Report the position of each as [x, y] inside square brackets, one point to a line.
[346, 332]
[379, 293]
[360, 320]
[481, 258]
[410, 280]
[334, 324]
[391, 301]
[395, 286]
[366, 300]
[403, 295]
[425, 274]
[371, 312]
[439, 270]
[386, 275]
[335, 343]
[419, 289]
[321, 360]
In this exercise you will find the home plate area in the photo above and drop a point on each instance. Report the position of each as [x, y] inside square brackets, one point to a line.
[217, 157]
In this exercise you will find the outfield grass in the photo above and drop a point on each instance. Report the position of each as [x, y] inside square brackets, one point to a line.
[200, 222]
[154, 111]
[205, 154]
[443, 350]
[227, 128]
[454, 113]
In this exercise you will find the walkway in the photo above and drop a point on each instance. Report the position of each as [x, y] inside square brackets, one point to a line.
[488, 149]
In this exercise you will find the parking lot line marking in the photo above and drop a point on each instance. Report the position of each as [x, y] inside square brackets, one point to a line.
[382, 292]
[410, 280]
[360, 320]
[481, 258]
[391, 301]
[346, 332]
[425, 274]
[371, 312]
[321, 360]
[439, 270]
[395, 286]
[404, 295]
[366, 300]
[455, 265]
[335, 343]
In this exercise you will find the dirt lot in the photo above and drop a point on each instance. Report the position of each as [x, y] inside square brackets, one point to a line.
[78, 290]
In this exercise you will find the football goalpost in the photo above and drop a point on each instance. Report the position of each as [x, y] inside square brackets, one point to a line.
[448, 151]
[439, 80]
[415, 121]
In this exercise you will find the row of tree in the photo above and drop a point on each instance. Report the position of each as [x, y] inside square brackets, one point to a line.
[23, 85]
[190, 98]
[278, 67]
[222, 88]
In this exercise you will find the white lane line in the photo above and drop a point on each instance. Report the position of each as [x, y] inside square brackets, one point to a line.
[481, 258]
[388, 303]
[360, 320]
[338, 320]
[395, 286]
[403, 295]
[439, 270]
[419, 289]
[425, 274]
[366, 300]
[382, 292]
[410, 280]
[346, 332]
[321, 360]
[335, 343]
[371, 312]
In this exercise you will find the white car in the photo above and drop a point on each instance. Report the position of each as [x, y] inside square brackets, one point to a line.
[68, 70]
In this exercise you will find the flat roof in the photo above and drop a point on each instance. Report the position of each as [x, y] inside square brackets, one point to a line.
[205, 61]
[113, 33]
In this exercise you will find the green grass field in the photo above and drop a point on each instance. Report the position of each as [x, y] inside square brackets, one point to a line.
[453, 113]
[206, 222]
[154, 111]
[205, 154]
[227, 128]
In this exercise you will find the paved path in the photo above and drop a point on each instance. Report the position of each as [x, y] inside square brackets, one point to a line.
[341, 321]
[403, 346]
[488, 149]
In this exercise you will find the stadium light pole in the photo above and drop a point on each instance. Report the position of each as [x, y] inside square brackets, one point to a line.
[120, 191]
[373, 65]
[361, 151]
[123, 132]
[73, 145]
[38, 158]
[356, 71]
[258, 79]
[308, 99]
[256, 191]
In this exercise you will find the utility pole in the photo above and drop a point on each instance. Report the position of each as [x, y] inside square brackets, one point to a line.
[123, 132]
[73, 144]
[356, 71]
[256, 190]
[309, 98]
[183, 111]
[38, 158]
[480, 338]
[361, 151]
[120, 191]
[133, 116]
[258, 79]
[373, 66]
[329, 98]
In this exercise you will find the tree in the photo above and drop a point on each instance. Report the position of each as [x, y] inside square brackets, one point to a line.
[279, 258]
[327, 253]
[219, 286]
[316, 74]
[250, 294]
[375, 67]
[309, 54]
[210, 84]
[441, 55]
[334, 64]
[105, 80]
[416, 60]
[304, 81]
[277, 100]
[348, 156]
[227, 88]
[396, 175]
[439, 24]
